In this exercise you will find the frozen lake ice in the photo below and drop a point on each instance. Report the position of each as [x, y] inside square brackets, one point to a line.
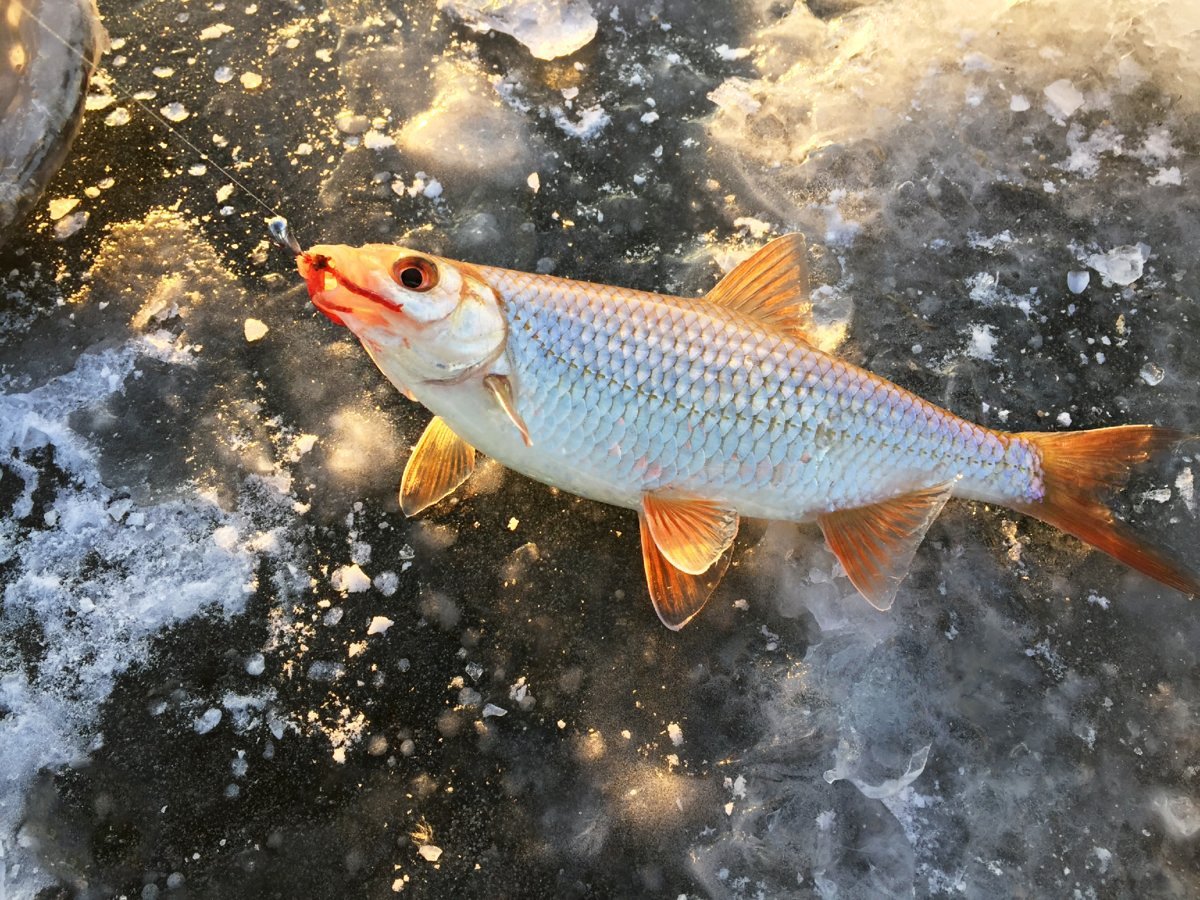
[230, 667]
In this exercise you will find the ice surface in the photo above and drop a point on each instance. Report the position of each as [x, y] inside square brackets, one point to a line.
[198, 528]
[549, 28]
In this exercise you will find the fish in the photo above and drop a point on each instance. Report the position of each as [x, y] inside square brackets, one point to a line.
[697, 412]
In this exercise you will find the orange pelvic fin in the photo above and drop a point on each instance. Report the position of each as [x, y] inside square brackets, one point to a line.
[677, 596]
[875, 544]
[692, 534]
[439, 463]
[1078, 467]
[772, 286]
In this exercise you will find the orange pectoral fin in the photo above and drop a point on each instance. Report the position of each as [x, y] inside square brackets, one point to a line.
[677, 596]
[439, 463]
[691, 534]
[501, 389]
[875, 544]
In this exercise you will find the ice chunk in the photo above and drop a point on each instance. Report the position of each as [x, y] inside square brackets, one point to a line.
[1121, 265]
[255, 330]
[1164, 176]
[208, 721]
[379, 625]
[1018, 103]
[1077, 281]
[430, 852]
[1152, 374]
[982, 343]
[548, 29]
[351, 579]
[1064, 97]
[1180, 814]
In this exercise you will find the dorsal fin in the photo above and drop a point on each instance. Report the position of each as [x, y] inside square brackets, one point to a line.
[772, 286]
[439, 463]
[875, 544]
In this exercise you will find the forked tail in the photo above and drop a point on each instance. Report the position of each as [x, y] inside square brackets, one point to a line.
[1079, 467]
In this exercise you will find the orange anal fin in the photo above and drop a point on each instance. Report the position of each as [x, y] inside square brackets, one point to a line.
[439, 463]
[875, 544]
[772, 286]
[676, 595]
[1078, 466]
[501, 389]
[692, 534]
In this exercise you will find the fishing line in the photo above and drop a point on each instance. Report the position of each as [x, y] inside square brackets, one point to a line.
[93, 67]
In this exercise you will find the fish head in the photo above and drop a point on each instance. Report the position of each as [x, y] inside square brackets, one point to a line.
[422, 317]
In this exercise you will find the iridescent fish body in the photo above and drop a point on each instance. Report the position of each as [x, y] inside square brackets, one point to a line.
[697, 411]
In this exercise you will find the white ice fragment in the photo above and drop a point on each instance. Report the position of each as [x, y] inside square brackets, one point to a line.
[492, 709]
[430, 852]
[1164, 176]
[1018, 103]
[982, 344]
[739, 788]
[255, 330]
[675, 733]
[325, 671]
[1063, 96]
[1077, 281]
[223, 75]
[59, 207]
[377, 140]
[548, 29]
[1152, 374]
[1064, 419]
[534, 182]
[731, 54]
[1180, 814]
[1185, 483]
[69, 225]
[225, 537]
[207, 722]
[1121, 265]
[590, 123]
[1157, 495]
[174, 112]
[433, 189]
[889, 787]
[379, 625]
[756, 227]
[351, 123]
[256, 664]
[735, 96]
[351, 579]
[386, 583]
[649, 118]
[212, 32]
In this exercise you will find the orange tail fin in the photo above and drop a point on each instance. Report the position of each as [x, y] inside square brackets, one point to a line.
[1077, 467]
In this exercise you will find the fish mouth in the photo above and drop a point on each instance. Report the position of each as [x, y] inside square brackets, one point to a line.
[332, 292]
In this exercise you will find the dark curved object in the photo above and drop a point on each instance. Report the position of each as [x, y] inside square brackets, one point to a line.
[48, 50]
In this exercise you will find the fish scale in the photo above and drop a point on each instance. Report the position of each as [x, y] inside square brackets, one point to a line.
[773, 427]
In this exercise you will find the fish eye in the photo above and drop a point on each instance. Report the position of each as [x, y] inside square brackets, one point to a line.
[415, 273]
